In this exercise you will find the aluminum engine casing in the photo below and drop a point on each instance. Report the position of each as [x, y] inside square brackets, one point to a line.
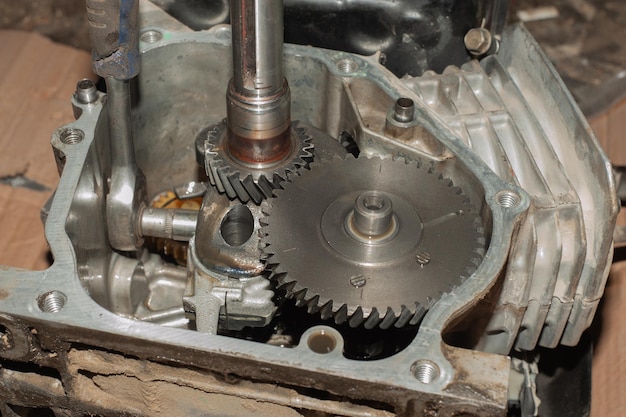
[505, 126]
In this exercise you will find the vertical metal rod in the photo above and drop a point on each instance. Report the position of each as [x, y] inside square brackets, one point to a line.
[258, 98]
[127, 191]
[114, 33]
[257, 27]
[118, 104]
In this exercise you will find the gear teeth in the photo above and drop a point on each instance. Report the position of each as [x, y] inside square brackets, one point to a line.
[372, 320]
[326, 311]
[420, 312]
[288, 287]
[404, 318]
[389, 320]
[299, 296]
[354, 315]
[312, 305]
[238, 186]
[249, 184]
[266, 187]
[341, 315]
[357, 318]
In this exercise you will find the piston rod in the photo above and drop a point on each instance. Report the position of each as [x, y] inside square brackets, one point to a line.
[258, 98]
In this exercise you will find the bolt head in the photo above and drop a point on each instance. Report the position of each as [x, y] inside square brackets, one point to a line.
[478, 41]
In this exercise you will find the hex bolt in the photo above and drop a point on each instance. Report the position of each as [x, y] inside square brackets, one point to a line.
[404, 110]
[86, 92]
[478, 41]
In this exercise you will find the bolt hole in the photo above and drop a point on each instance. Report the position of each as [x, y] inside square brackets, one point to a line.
[508, 199]
[374, 202]
[405, 102]
[347, 66]
[151, 36]
[322, 342]
[238, 226]
[426, 372]
[86, 91]
[51, 302]
[85, 84]
[71, 136]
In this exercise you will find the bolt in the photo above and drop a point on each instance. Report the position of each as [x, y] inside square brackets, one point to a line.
[358, 281]
[422, 258]
[478, 41]
[404, 110]
[86, 92]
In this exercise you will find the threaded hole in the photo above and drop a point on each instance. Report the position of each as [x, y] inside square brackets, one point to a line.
[238, 226]
[426, 372]
[508, 199]
[151, 36]
[51, 302]
[347, 66]
[71, 136]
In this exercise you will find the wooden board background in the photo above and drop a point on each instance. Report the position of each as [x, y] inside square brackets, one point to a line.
[37, 79]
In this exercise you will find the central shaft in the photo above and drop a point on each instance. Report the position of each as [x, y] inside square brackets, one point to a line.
[258, 98]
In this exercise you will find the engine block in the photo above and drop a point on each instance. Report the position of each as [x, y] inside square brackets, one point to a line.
[415, 234]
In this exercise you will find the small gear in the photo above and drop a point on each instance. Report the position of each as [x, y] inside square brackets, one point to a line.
[371, 241]
[246, 182]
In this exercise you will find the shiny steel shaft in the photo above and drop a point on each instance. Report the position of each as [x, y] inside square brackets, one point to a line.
[258, 96]
[257, 27]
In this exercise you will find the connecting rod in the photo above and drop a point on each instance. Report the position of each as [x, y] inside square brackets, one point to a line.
[114, 33]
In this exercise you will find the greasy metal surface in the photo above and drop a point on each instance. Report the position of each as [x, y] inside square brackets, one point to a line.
[78, 299]
[249, 181]
[391, 380]
[213, 251]
[258, 97]
[379, 283]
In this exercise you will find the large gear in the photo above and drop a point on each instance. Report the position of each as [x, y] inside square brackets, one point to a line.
[246, 182]
[355, 268]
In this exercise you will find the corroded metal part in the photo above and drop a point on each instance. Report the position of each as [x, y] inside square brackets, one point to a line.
[247, 180]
